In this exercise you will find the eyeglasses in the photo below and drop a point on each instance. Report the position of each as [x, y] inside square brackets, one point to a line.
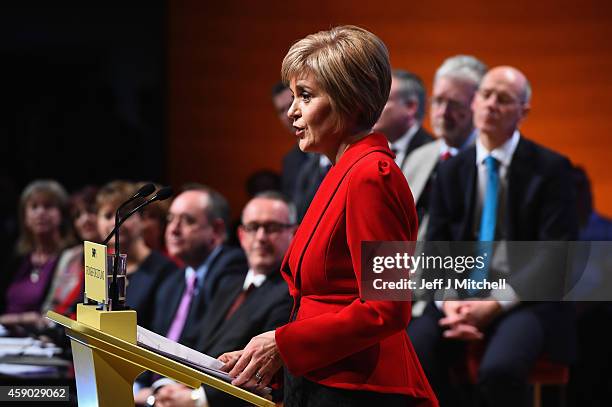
[270, 228]
[452, 105]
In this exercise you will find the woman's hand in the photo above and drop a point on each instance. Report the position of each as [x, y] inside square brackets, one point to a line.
[229, 359]
[254, 366]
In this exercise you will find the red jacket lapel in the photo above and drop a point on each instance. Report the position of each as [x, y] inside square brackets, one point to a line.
[293, 258]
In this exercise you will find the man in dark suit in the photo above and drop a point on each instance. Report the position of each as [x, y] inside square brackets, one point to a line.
[400, 120]
[251, 305]
[310, 176]
[195, 234]
[503, 188]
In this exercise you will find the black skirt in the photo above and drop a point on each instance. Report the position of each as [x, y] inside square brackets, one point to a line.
[300, 392]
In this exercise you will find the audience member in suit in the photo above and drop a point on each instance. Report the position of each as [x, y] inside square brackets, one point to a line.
[295, 158]
[195, 234]
[259, 181]
[454, 86]
[250, 306]
[309, 178]
[536, 202]
[401, 118]
[146, 269]
[44, 234]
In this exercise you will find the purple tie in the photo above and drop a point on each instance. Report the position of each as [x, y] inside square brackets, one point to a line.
[174, 333]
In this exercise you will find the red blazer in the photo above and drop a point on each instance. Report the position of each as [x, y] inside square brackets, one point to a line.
[337, 339]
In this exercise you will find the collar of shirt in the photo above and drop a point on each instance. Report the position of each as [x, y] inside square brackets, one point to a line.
[251, 278]
[503, 153]
[401, 144]
[324, 161]
[454, 150]
[202, 268]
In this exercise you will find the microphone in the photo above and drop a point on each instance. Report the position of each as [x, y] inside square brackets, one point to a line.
[143, 192]
[162, 194]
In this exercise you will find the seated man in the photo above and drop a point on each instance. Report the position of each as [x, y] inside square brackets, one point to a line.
[503, 188]
[248, 307]
[195, 234]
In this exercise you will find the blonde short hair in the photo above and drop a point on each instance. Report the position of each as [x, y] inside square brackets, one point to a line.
[351, 65]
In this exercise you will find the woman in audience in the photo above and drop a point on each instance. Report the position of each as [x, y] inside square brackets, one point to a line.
[154, 222]
[146, 268]
[44, 233]
[84, 214]
[68, 285]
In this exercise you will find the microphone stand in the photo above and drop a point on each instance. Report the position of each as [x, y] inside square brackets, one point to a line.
[162, 194]
[144, 191]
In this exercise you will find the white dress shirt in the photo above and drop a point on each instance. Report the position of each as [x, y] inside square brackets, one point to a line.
[401, 144]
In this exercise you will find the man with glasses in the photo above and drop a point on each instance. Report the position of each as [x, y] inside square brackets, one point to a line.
[455, 84]
[249, 306]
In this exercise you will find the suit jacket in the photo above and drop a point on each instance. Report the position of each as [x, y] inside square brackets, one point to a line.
[144, 283]
[540, 206]
[229, 263]
[418, 169]
[264, 309]
[307, 183]
[420, 138]
[292, 162]
[540, 198]
[337, 339]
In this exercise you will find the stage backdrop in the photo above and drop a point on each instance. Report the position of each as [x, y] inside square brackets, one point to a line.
[224, 57]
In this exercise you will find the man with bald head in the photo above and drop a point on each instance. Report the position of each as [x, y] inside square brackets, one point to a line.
[504, 188]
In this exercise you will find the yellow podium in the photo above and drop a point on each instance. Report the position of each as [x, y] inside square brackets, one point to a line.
[107, 360]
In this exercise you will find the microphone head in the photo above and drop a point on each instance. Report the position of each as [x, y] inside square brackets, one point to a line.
[163, 193]
[145, 190]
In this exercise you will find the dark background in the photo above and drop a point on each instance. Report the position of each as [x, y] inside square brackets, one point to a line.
[83, 91]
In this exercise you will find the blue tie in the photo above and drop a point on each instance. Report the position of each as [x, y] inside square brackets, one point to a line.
[489, 207]
[488, 218]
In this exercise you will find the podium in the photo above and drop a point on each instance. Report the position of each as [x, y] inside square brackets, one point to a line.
[107, 360]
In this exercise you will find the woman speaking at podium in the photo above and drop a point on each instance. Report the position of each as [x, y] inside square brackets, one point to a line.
[340, 350]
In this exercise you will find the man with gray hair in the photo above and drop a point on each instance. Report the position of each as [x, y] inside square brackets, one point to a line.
[455, 84]
[400, 120]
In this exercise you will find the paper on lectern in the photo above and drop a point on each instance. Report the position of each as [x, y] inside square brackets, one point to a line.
[151, 340]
